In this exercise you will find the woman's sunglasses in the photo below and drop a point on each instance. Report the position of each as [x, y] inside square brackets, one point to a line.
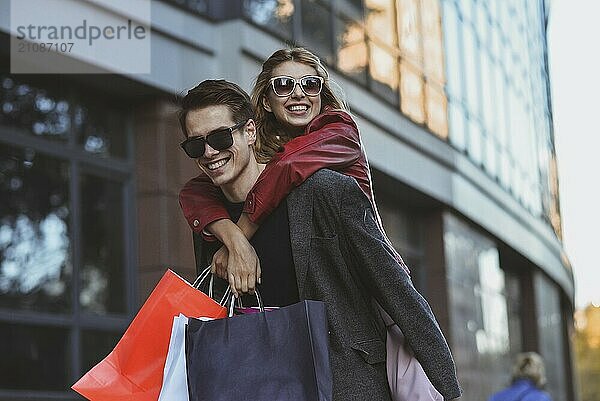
[311, 85]
[222, 139]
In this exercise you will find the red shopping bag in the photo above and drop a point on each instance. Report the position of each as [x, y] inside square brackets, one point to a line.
[133, 370]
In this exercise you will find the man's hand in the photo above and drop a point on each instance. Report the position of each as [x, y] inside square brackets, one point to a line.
[237, 261]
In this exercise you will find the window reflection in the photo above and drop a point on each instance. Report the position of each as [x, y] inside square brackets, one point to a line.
[35, 110]
[99, 126]
[35, 267]
[409, 31]
[275, 15]
[316, 28]
[551, 333]
[352, 56]
[102, 286]
[381, 21]
[384, 72]
[501, 61]
[34, 358]
[432, 41]
[412, 93]
[437, 115]
[485, 309]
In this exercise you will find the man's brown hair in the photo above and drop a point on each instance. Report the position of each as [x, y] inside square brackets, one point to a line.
[214, 93]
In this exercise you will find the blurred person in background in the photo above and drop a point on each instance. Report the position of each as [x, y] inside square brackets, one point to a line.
[528, 379]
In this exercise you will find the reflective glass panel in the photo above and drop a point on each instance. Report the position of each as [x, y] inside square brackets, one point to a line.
[432, 41]
[475, 141]
[471, 72]
[40, 112]
[457, 125]
[491, 151]
[482, 318]
[100, 126]
[34, 358]
[103, 259]
[411, 93]
[383, 68]
[551, 335]
[409, 31]
[316, 28]
[35, 261]
[274, 15]
[352, 56]
[381, 21]
[454, 67]
[95, 345]
[437, 115]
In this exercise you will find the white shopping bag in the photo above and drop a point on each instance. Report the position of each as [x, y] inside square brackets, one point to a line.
[174, 385]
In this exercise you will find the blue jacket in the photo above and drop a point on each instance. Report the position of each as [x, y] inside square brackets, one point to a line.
[521, 390]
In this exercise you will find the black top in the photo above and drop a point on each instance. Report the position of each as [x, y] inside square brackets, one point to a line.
[272, 244]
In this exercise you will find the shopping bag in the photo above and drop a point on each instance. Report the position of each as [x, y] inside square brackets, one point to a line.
[278, 355]
[133, 370]
[406, 377]
[174, 382]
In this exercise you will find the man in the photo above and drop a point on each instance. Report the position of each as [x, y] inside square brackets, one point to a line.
[322, 243]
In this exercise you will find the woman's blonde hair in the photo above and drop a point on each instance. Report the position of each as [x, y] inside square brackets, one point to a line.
[530, 365]
[271, 134]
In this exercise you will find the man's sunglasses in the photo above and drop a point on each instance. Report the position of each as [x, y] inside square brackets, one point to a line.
[311, 85]
[221, 139]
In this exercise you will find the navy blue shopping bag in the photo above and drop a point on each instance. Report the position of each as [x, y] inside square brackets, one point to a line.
[279, 355]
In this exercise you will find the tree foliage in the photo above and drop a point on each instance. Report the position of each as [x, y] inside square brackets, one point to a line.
[587, 352]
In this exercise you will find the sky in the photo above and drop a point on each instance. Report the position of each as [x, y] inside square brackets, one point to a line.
[573, 33]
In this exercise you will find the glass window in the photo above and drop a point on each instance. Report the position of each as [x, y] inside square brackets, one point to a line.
[437, 114]
[57, 222]
[381, 21]
[491, 151]
[95, 345]
[432, 41]
[488, 95]
[40, 112]
[471, 55]
[383, 69]
[551, 333]
[199, 6]
[35, 239]
[504, 172]
[456, 116]
[352, 54]
[411, 93]
[98, 124]
[34, 358]
[102, 287]
[454, 66]
[317, 33]
[353, 9]
[484, 313]
[274, 15]
[475, 141]
[409, 31]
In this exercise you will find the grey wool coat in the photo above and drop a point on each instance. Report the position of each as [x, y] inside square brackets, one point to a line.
[342, 258]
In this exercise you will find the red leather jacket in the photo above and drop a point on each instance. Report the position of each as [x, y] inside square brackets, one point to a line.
[331, 141]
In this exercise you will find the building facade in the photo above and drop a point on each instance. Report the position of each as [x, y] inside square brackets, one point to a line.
[453, 102]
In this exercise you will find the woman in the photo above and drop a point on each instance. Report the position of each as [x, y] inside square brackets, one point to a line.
[528, 378]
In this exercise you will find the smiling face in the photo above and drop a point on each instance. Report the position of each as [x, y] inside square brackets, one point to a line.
[224, 167]
[296, 111]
